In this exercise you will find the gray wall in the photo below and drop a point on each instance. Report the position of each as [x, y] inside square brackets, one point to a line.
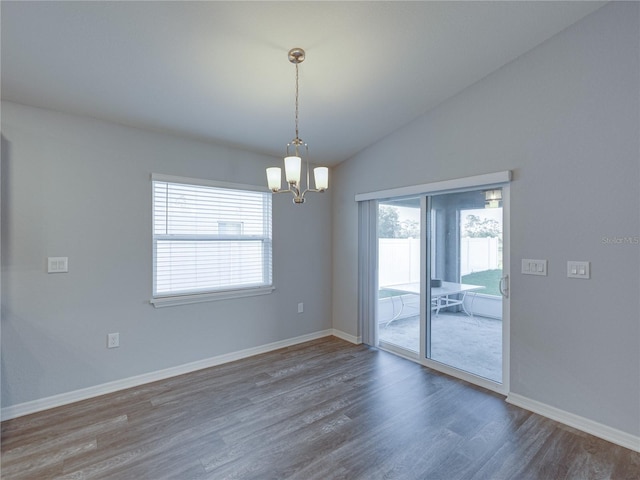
[81, 188]
[565, 118]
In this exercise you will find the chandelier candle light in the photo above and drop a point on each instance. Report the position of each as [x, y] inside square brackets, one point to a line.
[293, 162]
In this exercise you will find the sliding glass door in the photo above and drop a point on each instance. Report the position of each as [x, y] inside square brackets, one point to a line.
[466, 248]
[440, 290]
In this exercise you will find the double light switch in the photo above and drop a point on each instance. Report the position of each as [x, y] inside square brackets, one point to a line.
[534, 267]
[575, 269]
[57, 264]
[578, 269]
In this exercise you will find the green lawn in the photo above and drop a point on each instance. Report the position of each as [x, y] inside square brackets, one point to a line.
[487, 278]
[382, 293]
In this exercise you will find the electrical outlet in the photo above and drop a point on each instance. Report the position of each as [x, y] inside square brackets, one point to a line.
[113, 340]
[300, 307]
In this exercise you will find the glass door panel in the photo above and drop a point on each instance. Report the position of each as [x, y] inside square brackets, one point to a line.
[399, 265]
[465, 246]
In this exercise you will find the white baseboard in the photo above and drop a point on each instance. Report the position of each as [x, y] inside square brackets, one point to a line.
[609, 434]
[346, 336]
[53, 401]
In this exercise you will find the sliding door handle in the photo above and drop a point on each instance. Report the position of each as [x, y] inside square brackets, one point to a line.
[504, 286]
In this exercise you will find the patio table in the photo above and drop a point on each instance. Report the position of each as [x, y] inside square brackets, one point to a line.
[441, 297]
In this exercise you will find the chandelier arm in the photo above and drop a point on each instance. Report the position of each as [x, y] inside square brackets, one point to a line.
[288, 190]
[296, 192]
[312, 190]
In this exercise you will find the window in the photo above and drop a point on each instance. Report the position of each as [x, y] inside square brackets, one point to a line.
[210, 240]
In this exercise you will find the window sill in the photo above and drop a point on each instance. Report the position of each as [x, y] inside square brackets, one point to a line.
[174, 300]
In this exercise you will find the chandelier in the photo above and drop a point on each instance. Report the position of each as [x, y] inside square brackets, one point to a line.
[293, 159]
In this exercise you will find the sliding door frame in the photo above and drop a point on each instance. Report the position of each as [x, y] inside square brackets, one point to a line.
[368, 269]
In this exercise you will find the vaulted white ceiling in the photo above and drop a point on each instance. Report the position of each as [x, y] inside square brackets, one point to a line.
[218, 71]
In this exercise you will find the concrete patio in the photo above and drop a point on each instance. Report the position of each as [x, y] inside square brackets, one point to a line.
[472, 344]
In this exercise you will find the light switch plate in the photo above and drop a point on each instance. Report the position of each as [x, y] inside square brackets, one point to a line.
[534, 267]
[57, 264]
[577, 269]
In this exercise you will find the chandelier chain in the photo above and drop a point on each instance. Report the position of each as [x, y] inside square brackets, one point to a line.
[297, 135]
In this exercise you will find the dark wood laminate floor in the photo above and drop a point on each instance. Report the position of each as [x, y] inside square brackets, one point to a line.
[321, 410]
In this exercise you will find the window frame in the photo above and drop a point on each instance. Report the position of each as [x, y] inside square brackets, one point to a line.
[170, 299]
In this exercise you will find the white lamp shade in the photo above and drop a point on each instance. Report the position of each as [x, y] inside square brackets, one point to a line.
[292, 166]
[321, 177]
[274, 178]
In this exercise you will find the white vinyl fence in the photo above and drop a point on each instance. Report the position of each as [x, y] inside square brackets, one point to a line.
[479, 254]
[399, 258]
[398, 261]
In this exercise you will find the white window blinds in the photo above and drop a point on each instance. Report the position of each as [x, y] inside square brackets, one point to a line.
[209, 239]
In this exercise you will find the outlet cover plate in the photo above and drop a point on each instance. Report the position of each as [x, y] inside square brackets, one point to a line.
[113, 340]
